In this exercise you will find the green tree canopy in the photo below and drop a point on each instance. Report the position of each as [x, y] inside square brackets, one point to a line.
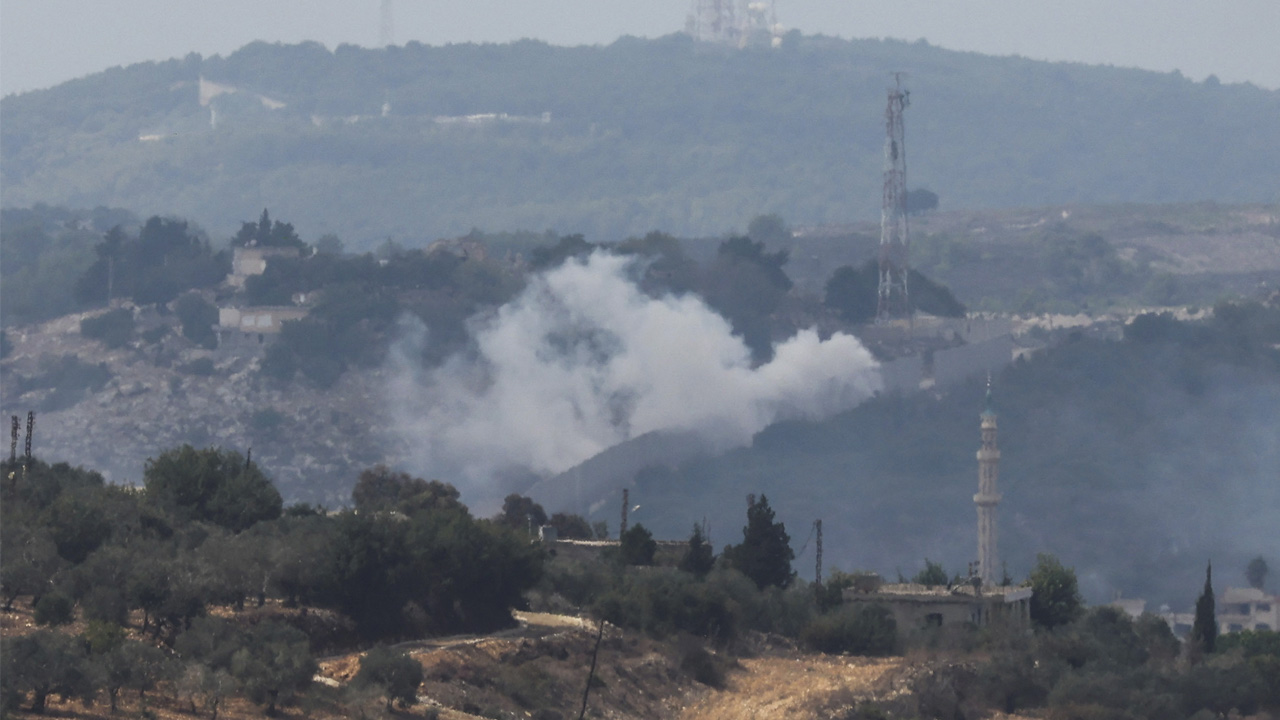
[267, 233]
[520, 512]
[1256, 573]
[931, 575]
[1055, 597]
[699, 558]
[1204, 630]
[214, 485]
[637, 546]
[381, 489]
[765, 554]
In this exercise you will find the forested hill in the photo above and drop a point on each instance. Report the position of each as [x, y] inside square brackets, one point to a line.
[641, 134]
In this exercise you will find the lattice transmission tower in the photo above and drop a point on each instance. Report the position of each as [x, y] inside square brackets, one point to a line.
[893, 299]
[715, 21]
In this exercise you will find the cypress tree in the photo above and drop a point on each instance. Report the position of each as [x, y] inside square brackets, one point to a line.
[1204, 632]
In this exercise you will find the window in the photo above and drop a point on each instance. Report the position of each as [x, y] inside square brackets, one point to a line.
[1264, 607]
[933, 620]
[1235, 627]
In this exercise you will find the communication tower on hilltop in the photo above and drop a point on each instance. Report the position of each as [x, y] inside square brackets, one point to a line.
[714, 21]
[735, 22]
[893, 300]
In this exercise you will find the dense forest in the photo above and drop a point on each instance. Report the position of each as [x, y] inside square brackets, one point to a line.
[638, 135]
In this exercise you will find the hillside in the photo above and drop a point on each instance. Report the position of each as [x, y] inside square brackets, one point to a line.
[1123, 431]
[1131, 460]
[422, 142]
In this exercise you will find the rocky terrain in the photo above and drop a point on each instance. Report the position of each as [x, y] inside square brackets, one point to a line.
[312, 443]
[161, 390]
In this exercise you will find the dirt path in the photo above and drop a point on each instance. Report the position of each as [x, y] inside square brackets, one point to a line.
[796, 688]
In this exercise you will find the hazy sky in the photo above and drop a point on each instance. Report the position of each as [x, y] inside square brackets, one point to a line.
[44, 42]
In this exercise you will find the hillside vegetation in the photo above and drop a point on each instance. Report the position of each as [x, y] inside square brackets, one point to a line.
[639, 135]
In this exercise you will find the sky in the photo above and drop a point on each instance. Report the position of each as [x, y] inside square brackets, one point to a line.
[46, 42]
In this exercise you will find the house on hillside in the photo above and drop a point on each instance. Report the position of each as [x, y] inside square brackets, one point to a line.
[917, 607]
[1247, 609]
[246, 261]
[247, 330]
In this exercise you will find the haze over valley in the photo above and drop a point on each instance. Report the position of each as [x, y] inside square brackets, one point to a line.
[325, 348]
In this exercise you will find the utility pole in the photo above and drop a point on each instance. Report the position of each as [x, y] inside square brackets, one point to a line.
[893, 300]
[13, 439]
[817, 526]
[626, 500]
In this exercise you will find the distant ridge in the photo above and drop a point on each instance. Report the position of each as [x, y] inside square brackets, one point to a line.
[619, 140]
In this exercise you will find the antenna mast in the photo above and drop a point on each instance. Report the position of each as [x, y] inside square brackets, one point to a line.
[626, 499]
[387, 27]
[893, 300]
[31, 428]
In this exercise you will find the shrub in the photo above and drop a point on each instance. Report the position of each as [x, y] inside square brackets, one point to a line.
[856, 630]
[113, 328]
[200, 366]
[69, 378]
[703, 666]
[198, 317]
[395, 672]
[54, 608]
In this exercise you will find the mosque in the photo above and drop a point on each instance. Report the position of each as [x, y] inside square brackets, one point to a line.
[978, 601]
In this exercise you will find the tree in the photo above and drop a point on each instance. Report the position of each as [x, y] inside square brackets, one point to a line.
[77, 524]
[520, 512]
[274, 664]
[267, 233]
[570, 526]
[380, 489]
[29, 560]
[198, 316]
[765, 554]
[699, 558]
[545, 258]
[921, 200]
[931, 575]
[853, 293]
[122, 663]
[46, 662]
[1055, 596]
[213, 485]
[1256, 573]
[1204, 631]
[397, 674]
[114, 328]
[637, 546]
[329, 244]
[768, 229]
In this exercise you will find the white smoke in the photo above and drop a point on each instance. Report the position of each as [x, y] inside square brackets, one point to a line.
[583, 360]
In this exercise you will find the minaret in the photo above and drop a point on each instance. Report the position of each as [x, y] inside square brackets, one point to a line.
[987, 498]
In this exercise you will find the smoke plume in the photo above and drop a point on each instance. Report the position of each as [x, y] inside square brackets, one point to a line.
[582, 359]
